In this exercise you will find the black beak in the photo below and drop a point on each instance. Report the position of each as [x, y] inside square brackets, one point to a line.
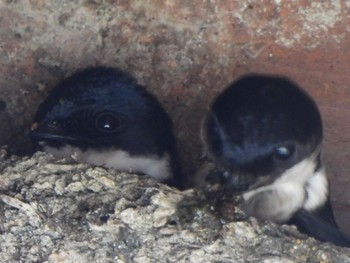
[41, 133]
[238, 182]
[46, 136]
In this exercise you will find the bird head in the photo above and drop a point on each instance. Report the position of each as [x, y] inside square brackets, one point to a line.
[260, 127]
[103, 115]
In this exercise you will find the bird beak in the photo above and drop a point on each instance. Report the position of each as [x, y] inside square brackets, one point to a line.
[43, 136]
[41, 133]
[239, 182]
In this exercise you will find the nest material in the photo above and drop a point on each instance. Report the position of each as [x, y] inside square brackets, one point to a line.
[53, 211]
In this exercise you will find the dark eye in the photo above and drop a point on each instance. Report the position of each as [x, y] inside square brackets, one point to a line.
[107, 122]
[284, 153]
[52, 125]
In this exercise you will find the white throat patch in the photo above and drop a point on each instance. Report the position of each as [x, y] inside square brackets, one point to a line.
[298, 187]
[154, 166]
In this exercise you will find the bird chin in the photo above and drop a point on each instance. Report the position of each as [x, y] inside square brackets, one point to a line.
[275, 203]
[151, 165]
[300, 187]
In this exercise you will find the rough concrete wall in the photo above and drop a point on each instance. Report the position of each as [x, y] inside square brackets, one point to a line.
[185, 52]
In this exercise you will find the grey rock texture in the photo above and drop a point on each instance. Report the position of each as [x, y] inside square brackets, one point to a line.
[54, 211]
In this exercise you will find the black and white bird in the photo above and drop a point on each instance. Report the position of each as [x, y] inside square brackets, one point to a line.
[264, 134]
[103, 117]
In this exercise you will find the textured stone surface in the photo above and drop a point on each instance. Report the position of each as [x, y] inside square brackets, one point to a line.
[185, 52]
[60, 212]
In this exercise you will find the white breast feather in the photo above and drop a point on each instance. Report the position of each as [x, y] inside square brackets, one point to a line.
[299, 186]
[154, 166]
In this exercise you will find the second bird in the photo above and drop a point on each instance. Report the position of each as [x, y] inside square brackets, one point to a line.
[264, 133]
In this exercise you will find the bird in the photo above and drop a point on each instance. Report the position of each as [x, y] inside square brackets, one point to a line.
[102, 116]
[264, 134]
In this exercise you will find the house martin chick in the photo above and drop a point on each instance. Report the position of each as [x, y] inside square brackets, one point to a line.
[101, 116]
[264, 134]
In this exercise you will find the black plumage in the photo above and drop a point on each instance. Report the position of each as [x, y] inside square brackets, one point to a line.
[264, 134]
[105, 110]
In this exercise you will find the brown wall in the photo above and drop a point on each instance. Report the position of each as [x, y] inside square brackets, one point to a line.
[185, 52]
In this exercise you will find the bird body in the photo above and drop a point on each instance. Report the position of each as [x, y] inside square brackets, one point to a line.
[264, 133]
[103, 117]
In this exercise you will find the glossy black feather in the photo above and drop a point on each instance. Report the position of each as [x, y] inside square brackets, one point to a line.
[316, 226]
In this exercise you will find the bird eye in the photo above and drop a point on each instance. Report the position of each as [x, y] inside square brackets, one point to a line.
[52, 125]
[283, 153]
[107, 122]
